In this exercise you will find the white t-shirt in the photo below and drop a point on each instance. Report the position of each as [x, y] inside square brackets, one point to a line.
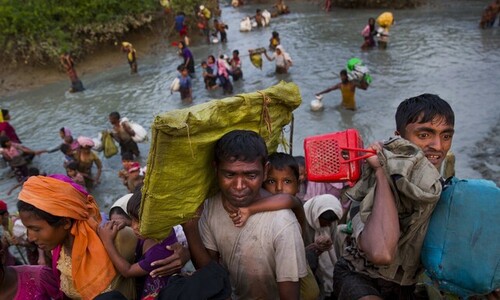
[267, 250]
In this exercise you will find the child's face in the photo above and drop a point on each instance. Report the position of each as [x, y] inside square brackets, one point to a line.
[281, 181]
[120, 219]
[203, 66]
[126, 164]
[71, 173]
[184, 72]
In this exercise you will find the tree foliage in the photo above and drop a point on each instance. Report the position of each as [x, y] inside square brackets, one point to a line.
[37, 31]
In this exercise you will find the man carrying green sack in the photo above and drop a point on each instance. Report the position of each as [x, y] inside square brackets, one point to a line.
[180, 172]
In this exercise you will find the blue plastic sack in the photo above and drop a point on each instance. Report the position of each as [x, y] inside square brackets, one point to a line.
[461, 250]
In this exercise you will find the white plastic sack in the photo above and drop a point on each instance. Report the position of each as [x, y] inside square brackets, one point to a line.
[97, 143]
[246, 25]
[141, 135]
[358, 73]
[317, 104]
[175, 85]
[266, 16]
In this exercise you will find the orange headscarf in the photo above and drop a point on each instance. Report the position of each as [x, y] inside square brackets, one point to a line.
[92, 269]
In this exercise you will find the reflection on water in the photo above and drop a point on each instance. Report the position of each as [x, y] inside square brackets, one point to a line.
[437, 49]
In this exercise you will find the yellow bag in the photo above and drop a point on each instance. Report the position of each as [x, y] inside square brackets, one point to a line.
[108, 144]
[180, 174]
[385, 19]
[206, 13]
[256, 59]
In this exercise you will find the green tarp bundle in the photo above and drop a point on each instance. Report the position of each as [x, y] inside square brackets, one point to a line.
[180, 174]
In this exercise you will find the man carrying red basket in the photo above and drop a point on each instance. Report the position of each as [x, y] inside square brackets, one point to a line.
[397, 194]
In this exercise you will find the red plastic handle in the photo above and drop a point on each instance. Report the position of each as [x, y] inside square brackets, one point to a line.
[359, 149]
[371, 152]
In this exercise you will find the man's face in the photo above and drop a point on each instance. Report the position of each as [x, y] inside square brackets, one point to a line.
[240, 181]
[434, 138]
[113, 120]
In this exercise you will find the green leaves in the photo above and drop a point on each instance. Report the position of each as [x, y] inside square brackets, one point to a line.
[38, 31]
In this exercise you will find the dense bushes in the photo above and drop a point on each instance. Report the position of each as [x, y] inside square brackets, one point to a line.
[38, 31]
[35, 31]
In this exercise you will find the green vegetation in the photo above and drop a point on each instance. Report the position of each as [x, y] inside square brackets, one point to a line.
[37, 31]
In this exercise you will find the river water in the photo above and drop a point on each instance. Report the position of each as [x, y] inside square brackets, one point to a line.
[436, 48]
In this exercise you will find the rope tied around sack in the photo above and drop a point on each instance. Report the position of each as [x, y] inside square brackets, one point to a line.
[189, 139]
[265, 116]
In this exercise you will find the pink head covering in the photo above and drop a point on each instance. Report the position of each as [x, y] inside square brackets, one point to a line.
[65, 178]
[67, 132]
[85, 141]
[134, 167]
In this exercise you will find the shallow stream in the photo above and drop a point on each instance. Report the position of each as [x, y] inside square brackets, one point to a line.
[437, 48]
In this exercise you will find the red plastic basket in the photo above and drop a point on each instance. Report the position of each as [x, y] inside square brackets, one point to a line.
[335, 156]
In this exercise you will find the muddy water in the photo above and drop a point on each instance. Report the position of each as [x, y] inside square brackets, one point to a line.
[433, 49]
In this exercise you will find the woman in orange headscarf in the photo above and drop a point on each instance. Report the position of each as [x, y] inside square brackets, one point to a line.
[61, 216]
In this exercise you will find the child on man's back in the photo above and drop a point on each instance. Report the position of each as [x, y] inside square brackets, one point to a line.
[283, 178]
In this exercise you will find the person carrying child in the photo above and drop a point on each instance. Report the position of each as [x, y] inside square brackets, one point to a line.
[269, 246]
[209, 76]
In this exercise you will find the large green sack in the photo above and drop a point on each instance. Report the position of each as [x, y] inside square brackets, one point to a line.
[180, 174]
